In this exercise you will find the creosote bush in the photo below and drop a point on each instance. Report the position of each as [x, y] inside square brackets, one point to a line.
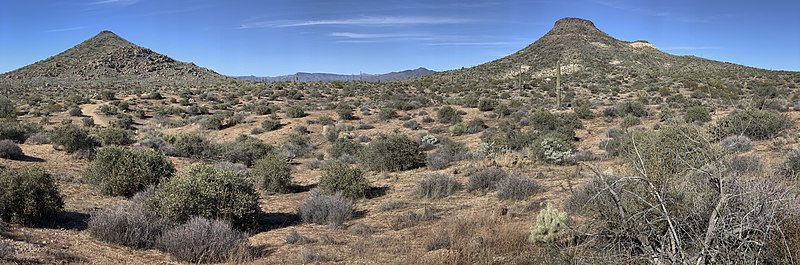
[203, 190]
[394, 152]
[201, 240]
[71, 137]
[331, 210]
[435, 186]
[114, 136]
[122, 171]
[753, 123]
[28, 195]
[295, 112]
[10, 150]
[448, 114]
[272, 173]
[341, 178]
[245, 150]
[697, 114]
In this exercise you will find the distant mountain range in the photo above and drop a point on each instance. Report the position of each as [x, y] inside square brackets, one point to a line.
[323, 77]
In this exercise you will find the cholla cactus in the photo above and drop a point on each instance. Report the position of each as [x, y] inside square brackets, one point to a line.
[430, 139]
[550, 225]
[556, 151]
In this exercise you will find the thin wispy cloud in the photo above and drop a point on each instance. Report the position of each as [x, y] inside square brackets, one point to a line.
[422, 39]
[112, 2]
[666, 15]
[361, 21]
[64, 29]
[690, 48]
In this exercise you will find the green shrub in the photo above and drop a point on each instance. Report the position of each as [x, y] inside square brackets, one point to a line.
[191, 145]
[563, 123]
[583, 108]
[485, 178]
[448, 114]
[345, 179]
[270, 124]
[448, 152]
[394, 152]
[17, 131]
[123, 121]
[670, 152]
[114, 136]
[487, 104]
[634, 108]
[28, 195]
[203, 190]
[697, 113]
[75, 112]
[121, 171]
[345, 113]
[213, 122]
[630, 121]
[10, 150]
[245, 150]
[387, 114]
[7, 108]
[71, 137]
[753, 123]
[344, 146]
[460, 128]
[272, 173]
[295, 112]
[514, 187]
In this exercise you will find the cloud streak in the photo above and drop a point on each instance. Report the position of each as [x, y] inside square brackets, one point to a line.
[361, 21]
[112, 2]
[64, 29]
[421, 38]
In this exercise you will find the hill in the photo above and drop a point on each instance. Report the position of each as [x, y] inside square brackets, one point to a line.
[108, 60]
[323, 77]
[593, 61]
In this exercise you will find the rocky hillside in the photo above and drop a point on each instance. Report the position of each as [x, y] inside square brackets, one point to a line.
[593, 61]
[109, 60]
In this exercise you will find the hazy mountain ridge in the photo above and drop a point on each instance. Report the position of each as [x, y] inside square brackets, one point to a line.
[322, 77]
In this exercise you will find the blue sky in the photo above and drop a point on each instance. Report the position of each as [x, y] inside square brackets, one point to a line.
[250, 37]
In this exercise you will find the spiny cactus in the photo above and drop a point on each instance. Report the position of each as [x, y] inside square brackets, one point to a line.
[550, 225]
[558, 85]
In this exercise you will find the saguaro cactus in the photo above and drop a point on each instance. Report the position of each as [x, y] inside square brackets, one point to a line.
[558, 85]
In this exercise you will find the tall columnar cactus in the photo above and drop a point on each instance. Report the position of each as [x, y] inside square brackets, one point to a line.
[558, 84]
[550, 225]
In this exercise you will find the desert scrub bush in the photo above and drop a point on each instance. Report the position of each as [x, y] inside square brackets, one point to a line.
[344, 146]
[295, 112]
[114, 136]
[547, 122]
[515, 187]
[272, 173]
[121, 171]
[331, 210]
[201, 240]
[486, 104]
[342, 178]
[634, 108]
[386, 114]
[17, 131]
[10, 150]
[203, 190]
[345, 113]
[191, 145]
[435, 186]
[295, 237]
[736, 143]
[697, 114]
[159, 145]
[38, 139]
[393, 152]
[212, 122]
[244, 149]
[551, 224]
[448, 114]
[7, 108]
[485, 178]
[448, 152]
[753, 123]
[583, 108]
[28, 196]
[298, 144]
[270, 124]
[129, 224]
[630, 121]
[71, 138]
[744, 165]
[669, 152]
[555, 150]
[75, 112]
